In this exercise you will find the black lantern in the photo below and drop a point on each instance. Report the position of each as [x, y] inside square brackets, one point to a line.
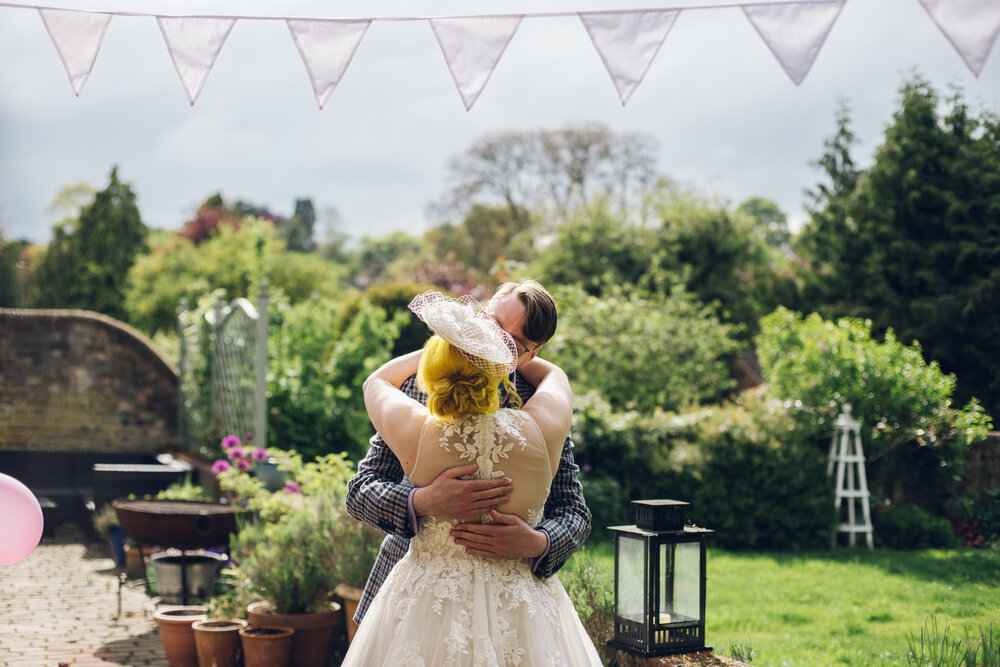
[659, 581]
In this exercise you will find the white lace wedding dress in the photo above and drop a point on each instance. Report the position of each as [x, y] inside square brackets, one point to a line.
[440, 607]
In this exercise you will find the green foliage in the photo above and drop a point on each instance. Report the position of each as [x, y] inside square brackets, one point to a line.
[87, 263]
[760, 484]
[936, 647]
[377, 254]
[394, 298]
[486, 235]
[184, 489]
[231, 259]
[11, 281]
[642, 352]
[293, 562]
[297, 231]
[590, 584]
[911, 243]
[910, 527]
[904, 404]
[742, 651]
[978, 521]
[315, 377]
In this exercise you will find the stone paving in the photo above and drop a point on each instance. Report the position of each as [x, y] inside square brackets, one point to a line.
[60, 606]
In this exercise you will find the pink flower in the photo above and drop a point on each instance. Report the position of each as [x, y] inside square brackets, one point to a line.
[230, 441]
[243, 465]
[248, 437]
[260, 454]
[236, 453]
[220, 466]
[292, 488]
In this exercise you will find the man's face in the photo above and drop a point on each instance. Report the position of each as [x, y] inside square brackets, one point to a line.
[510, 313]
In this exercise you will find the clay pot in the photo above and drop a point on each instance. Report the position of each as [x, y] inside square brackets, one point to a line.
[266, 647]
[218, 642]
[351, 597]
[177, 635]
[313, 632]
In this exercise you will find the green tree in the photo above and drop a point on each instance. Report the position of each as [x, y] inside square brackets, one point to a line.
[662, 351]
[376, 254]
[11, 282]
[87, 263]
[770, 222]
[912, 243]
[485, 236]
[298, 230]
[233, 259]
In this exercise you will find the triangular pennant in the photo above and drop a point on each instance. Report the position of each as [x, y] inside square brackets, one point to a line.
[970, 25]
[327, 48]
[194, 44]
[794, 31]
[77, 37]
[627, 43]
[472, 47]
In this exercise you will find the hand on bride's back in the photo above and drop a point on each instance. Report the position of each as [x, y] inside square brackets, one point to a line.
[449, 496]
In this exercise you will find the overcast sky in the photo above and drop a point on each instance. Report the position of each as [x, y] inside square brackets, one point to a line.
[727, 119]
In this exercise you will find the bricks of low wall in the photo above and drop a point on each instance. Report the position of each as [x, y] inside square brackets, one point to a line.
[77, 380]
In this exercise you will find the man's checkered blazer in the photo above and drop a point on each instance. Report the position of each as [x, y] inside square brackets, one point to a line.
[378, 495]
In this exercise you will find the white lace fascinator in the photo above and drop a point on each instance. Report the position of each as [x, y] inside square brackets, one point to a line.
[480, 339]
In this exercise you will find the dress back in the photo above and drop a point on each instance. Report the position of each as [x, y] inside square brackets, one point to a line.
[506, 443]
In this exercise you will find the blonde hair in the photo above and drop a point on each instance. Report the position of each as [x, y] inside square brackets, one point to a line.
[453, 384]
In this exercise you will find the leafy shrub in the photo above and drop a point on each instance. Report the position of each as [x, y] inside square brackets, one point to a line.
[315, 377]
[911, 527]
[642, 352]
[913, 438]
[760, 485]
[591, 587]
[978, 523]
[394, 298]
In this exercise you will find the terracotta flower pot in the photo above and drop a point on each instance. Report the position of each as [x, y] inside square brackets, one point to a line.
[313, 632]
[177, 635]
[351, 597]
[266, 647]
[218, 642]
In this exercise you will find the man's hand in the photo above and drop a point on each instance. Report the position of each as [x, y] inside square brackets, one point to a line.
[509, 537]
[448, 496]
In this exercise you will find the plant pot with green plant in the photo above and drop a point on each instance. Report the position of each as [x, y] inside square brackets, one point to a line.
[357, 549]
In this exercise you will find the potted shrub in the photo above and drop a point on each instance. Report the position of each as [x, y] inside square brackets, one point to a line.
[357, 549]
[292, 565]
[288, 558]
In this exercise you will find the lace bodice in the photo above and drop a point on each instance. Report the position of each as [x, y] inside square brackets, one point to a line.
[505, 444]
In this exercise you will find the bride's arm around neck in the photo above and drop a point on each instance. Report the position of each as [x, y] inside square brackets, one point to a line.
[395, 416]
[552, 404]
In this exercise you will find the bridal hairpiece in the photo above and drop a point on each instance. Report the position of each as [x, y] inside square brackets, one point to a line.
[480, 339]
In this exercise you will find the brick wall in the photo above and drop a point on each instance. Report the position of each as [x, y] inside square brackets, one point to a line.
[77, 380]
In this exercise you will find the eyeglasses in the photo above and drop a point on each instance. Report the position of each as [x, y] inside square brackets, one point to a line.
[521, 345]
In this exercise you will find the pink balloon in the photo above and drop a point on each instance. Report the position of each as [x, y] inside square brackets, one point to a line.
[20, 521]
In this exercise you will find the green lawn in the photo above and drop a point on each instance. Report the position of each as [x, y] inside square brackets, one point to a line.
[845, 607]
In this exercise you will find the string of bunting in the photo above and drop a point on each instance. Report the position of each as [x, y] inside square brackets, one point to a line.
[627, 41]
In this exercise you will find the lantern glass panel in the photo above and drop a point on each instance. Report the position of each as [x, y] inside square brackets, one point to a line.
[687, 582]
[631, 579]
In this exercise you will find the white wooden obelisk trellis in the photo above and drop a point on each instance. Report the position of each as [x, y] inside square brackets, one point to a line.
[847, 458]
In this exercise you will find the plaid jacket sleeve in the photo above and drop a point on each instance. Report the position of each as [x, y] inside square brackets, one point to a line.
[378, 493]
[567, 519]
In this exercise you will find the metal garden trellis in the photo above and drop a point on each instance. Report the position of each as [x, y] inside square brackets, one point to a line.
[235, 344]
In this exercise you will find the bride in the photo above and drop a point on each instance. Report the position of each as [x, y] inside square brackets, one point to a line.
[439, 605]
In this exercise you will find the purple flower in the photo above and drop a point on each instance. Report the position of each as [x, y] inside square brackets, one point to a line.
[259, 454]
[230, 441]
[585, 467]
[292, 488]
[220, 466]
[243, 465]
[248, 437]
[236, 453]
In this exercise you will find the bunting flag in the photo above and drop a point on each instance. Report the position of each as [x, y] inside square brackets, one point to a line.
[77, 37]
[472, 47]
[628, 42]
[327, 48]
[970, 25]
[194, 43]
[794, 31]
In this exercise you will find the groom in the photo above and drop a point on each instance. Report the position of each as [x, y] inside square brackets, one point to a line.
[380, 495]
